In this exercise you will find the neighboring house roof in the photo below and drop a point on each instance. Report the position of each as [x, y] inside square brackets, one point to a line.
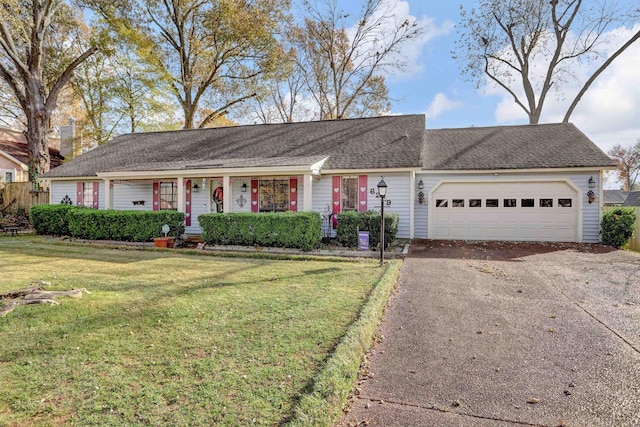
[633, 199]
[20, 152]
[368, 143]
[614, 197]
[558, 145]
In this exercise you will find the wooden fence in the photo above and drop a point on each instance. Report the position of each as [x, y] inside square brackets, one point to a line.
[634, 243]
[17, 196]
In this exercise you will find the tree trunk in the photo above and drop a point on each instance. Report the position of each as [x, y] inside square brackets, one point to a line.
[33, 295]
[37, 135]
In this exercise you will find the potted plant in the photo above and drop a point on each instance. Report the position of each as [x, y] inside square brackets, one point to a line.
[166, 241]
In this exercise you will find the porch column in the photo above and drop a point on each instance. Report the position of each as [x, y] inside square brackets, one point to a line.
[308, 193]
[107, 194]
[181, 195]
[228, 195]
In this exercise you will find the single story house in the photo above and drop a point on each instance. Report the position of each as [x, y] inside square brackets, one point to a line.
[527, 183]
[14, 155]
[621, 198]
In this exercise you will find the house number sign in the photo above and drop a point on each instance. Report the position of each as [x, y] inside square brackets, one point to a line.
[373, 191]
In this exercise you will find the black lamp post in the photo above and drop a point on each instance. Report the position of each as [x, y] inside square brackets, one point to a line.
[382, 192]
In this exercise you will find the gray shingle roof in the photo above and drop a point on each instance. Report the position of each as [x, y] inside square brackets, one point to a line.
[368, 143]
[558, 145]
[633, 199]
[614, 197]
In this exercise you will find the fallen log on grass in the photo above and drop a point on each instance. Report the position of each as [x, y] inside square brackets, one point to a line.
[9, 300]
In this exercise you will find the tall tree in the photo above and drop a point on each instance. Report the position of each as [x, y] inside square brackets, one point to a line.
[344, 66]
[34, 72]
[528, 47]
[628, 160]
[141, 97]
[205, 49]
[94, 83]
[10, 113]
[280, 98]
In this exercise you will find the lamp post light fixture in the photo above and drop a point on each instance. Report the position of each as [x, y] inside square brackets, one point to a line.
[382, 192]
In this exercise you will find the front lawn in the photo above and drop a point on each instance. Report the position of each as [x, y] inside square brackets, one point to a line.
[168, 338]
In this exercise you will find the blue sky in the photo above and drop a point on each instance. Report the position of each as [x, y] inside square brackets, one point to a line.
[433, 84]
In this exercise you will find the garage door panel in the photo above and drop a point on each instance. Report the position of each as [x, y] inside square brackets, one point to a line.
[529, 223]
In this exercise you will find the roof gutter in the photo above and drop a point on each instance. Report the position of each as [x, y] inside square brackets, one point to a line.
[313, 169]
[506, 171]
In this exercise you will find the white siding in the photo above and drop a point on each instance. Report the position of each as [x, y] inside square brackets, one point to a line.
[241, 202]
[123, 194]
[200, 204]
[421, 210]
[60, 189]
[398, 187]
[322, 195]
[590, 211]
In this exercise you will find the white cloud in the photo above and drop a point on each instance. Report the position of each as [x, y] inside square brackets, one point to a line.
[395, 12]
[609, 112]
[441, 104]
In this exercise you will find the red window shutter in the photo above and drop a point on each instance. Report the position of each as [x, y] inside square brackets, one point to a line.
[254, 196]
[156, 195]
[79, 194]
[96, 191]
[293, 194]
[335, 194]
[362, 193]
[187, 208]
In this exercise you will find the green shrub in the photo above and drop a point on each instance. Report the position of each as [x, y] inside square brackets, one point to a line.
[51, 219]
[301, 230]
[124, 225]
[350, 222]
[617, 226]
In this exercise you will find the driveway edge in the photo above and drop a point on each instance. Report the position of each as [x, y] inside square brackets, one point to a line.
[324, 403]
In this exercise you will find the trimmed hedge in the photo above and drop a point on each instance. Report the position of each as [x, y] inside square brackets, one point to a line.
[133, 226]
[350, 222]
[50, 219]
[301, 230]
[617, 226]
[83, 223]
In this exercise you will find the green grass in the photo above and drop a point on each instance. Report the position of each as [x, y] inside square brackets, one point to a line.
[169, 338]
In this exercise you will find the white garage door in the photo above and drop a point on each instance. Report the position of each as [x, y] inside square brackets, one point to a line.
[520, 211]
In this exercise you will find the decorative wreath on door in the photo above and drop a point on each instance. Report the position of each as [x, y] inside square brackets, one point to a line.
[218, 195]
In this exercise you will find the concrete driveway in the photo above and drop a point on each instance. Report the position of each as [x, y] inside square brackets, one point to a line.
[507, 334]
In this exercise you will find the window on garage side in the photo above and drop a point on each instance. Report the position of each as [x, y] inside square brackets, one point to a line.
[442, 203]
[546, 203]
[475, 203]
[491, 203]
[509, 203]
[457, 203]
[527, 203]
[349, 193]
[168, 196]
[564, 203]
